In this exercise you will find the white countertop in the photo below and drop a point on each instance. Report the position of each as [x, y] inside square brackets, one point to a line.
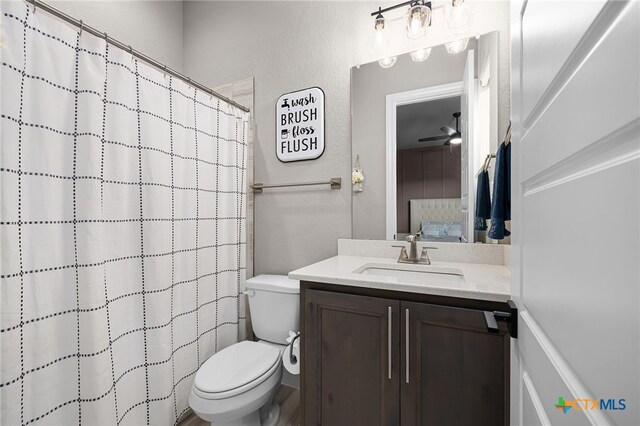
[482, 282]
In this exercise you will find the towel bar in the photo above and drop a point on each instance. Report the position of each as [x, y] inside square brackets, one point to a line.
[336, 183]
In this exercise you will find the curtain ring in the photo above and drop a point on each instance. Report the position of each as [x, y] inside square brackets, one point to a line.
[165, 70]
[106, 37]
[34, 5]
[81, 28]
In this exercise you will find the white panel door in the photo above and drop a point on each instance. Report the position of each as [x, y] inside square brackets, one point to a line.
[576, 211]
[467, 108]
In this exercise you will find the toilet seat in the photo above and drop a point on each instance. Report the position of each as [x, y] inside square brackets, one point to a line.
[236, 369]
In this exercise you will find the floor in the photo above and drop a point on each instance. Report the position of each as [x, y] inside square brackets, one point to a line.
[288, 398]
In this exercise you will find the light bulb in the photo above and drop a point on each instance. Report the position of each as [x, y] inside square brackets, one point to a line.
[456, 46]
[388, 62]
[418, 19]
[415, 23]
[420, 55]
[456, 138]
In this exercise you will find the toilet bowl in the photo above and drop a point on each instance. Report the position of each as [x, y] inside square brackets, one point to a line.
[237, 385]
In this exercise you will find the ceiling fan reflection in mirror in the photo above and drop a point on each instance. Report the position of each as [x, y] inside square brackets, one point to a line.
[450, 136]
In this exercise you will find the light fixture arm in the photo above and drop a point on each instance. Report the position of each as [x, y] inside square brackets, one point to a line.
[399, 5]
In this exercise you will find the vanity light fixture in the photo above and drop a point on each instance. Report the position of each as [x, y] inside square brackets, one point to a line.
[379, 21]
[388, 62]
[418, 19]
[420, 55]
[457, 14]
[380, 38]
[457, 46]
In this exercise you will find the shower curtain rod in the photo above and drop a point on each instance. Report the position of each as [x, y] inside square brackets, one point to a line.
[38, 5]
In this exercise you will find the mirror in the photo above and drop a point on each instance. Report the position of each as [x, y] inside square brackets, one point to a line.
[421, 133]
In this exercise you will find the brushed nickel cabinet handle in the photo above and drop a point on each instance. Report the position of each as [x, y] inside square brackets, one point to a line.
[406, 349]
[389, 340]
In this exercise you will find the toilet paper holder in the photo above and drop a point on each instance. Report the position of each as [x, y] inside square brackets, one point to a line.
[292, 358]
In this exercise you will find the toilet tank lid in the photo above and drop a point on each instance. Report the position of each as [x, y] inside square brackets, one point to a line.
[277, 283]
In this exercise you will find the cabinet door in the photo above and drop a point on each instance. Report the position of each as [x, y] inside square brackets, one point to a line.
[351, 360]
[454, 372]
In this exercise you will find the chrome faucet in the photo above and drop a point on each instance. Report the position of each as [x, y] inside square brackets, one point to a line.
[412, 257]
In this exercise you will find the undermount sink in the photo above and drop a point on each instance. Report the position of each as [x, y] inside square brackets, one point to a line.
[416, 274]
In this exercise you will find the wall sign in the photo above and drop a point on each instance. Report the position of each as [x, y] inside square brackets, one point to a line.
[300, 125]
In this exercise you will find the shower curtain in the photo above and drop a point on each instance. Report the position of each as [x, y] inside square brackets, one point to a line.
[122, 229]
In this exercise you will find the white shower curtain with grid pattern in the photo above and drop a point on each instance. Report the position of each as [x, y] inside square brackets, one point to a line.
[122, 229]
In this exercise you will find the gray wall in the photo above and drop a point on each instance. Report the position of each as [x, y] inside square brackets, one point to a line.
[152, 27]
[370, 86]
[288, 46]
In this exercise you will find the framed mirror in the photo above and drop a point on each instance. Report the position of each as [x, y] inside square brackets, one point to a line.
[422, 132]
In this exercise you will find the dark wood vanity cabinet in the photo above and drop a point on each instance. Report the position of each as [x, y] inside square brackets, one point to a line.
[454, 372]
[386, 360]
[346, 371]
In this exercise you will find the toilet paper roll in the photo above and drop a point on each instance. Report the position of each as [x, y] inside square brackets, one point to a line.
[293, 368]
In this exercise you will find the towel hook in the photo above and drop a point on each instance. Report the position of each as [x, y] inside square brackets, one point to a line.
[507, 135]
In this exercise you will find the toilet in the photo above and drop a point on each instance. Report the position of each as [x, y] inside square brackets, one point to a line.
[237, 385]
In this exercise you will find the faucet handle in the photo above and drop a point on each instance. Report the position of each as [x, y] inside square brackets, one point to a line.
[424, 255]
[403, 252]
[411, 238]
[424, 250]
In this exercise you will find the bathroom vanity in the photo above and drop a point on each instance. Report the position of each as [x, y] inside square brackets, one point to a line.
[404, 344]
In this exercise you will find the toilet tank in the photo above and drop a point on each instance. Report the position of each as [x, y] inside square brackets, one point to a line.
[274, 305]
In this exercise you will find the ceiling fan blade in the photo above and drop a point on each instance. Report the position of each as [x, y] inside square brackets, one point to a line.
[447, 142]
[433, 138]
[448, 130]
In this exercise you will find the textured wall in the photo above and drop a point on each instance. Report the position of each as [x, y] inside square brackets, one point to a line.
[288, 46]
[152, 27]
